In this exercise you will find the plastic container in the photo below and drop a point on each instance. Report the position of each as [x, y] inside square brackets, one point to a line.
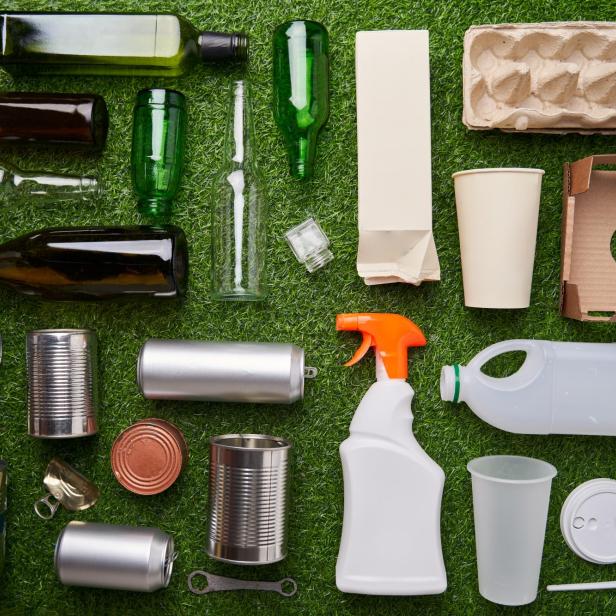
[498, 212]
[561, 388]
[511, 496]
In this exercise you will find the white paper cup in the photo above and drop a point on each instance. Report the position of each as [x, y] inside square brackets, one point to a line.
[511, 495]
[498, 212]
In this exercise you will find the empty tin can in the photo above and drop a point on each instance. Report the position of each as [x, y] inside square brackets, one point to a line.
[62, 383]
[116, 557]
[248, 498]
[149, 456]
[222, 371]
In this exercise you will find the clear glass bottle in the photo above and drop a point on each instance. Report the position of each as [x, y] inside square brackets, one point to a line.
[39, 187]
[110, 44]
[239, 210]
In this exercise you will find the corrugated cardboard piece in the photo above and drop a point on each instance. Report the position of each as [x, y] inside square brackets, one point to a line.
[394, 157]
[588, 270]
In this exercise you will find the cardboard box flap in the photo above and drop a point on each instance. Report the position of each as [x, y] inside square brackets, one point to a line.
[588, 269]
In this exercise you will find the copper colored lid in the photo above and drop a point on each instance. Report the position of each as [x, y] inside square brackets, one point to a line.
[149, 456]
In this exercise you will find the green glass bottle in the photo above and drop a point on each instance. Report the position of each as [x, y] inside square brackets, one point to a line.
[301, 89]
[159, 134]
[110, 44]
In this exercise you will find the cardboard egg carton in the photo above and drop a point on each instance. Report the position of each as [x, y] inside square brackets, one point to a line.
[547, 77]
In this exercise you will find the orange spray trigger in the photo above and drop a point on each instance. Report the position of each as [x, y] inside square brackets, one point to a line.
[390, 334]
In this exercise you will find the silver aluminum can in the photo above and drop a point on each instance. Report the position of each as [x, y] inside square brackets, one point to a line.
[62, 383]
[221, 371]
[248, 498]
[116, 557]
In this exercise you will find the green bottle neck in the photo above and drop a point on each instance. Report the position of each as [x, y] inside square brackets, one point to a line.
[301, 157]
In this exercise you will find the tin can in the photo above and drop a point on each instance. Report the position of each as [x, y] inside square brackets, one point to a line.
[3, 503]
[222, 371]
[116, 557]
[149, 456]
[62, 383]
[248, 498]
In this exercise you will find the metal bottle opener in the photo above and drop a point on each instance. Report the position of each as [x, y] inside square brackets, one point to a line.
[67, 487]
[216, 583]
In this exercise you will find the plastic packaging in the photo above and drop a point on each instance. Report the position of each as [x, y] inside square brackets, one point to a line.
[157, 157]
[309, 244]
[239, 209]
[498, 213]
[301, 90]
[511, 496]
[562, 388]
[391, 539]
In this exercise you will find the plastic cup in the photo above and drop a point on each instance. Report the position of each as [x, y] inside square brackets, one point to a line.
[498, 212]
[511, 495]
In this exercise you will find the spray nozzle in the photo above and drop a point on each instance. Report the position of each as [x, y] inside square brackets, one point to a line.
[390, 334]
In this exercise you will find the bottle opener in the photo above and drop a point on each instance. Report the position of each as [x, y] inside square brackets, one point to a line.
[286, 587]
[66, 487]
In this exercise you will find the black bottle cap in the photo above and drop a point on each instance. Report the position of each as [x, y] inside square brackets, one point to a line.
[222, 46]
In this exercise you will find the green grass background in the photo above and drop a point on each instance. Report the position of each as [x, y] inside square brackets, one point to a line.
[301, 309]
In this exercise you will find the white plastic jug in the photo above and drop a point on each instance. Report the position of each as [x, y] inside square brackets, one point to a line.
[561, 388]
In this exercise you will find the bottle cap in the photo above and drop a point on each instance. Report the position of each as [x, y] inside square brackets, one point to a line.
[223, 46]
[149, 456]
[309, 244]
[588, 523]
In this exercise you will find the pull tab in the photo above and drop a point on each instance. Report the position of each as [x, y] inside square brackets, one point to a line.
[50, 502]
[366, 343]
[310, 372]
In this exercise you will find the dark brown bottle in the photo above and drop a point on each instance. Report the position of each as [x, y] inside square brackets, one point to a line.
[69, 119]
[97, 262]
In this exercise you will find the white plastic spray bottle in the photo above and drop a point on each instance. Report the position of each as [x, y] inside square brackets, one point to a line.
[391, 535]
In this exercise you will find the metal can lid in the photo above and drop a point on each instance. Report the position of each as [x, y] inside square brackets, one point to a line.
[149, 456]
[587, 521]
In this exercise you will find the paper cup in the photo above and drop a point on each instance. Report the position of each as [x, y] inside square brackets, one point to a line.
[498, 212]
[511, 496]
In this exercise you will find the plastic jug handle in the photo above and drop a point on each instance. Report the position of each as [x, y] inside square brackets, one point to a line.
[530, 369]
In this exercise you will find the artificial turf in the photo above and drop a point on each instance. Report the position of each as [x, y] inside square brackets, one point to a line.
[301, 309]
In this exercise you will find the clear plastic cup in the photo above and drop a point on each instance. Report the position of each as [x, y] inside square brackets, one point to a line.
[511, 496]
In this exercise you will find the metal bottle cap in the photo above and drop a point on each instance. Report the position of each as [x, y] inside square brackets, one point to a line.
[149, 456]
[66, 487]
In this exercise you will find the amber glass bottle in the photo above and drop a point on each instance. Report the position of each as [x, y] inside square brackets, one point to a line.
[97, 262]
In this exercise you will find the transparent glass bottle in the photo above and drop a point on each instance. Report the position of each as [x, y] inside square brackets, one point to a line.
[239, 210]
[40, 187]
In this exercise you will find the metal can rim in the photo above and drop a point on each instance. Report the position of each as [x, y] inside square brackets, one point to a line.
[280, 443]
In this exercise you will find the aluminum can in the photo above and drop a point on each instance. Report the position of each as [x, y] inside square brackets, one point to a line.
[248, 498]
[62, 383]
[222, 371]
[116, 557]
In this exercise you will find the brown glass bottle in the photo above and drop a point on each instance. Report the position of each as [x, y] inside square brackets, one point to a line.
[68, 119]
[97, 262]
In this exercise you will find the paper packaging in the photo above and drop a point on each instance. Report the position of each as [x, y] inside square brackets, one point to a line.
[548, 77]
[394, 158]
[588, 270]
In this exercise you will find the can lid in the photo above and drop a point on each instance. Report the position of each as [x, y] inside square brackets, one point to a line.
[587, 521]
[149, 456]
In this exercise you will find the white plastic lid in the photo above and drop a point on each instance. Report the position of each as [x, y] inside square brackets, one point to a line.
[588, 521]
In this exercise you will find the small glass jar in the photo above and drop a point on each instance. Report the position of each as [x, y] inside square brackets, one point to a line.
[159, 132]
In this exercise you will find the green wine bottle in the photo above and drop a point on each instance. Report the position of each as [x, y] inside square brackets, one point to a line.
[301, 90]
[110, 44]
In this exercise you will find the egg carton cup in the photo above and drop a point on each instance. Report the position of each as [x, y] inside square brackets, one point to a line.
[549, 77]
